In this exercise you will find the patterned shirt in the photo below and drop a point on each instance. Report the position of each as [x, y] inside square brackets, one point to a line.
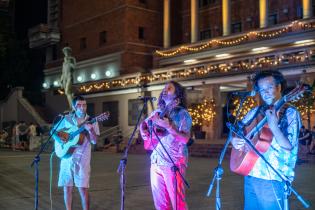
[178, 151]
[281, 159]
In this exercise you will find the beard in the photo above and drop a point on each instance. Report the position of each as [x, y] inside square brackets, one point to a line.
[168, 98]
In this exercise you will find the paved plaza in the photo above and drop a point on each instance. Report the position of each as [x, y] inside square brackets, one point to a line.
[17, 183]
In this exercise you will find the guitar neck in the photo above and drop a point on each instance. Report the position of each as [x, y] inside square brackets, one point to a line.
[81, 129]
[261, 124]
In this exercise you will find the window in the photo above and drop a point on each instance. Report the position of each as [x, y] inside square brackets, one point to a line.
[54, 52]
[134, 108]
[141, 32]
[90, 109]
[112, 108]
[299, 12]
[82, 43]
[204, 3]
[236, 27]
[205, 34]
[272, 20]
[102, 37]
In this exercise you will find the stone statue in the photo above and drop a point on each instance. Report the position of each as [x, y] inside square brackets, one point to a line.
[66, 79]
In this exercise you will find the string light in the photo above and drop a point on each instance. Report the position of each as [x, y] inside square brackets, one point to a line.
[302, 104]
[248, 104]
[264, 62]
[293, 26]
[203, 113]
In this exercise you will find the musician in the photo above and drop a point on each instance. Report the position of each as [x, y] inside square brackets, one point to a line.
[263, 189]
[174, 132]
[75, 167]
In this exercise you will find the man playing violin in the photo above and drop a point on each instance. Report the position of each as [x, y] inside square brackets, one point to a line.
[75, 167]
[173, 129]
[263, 189]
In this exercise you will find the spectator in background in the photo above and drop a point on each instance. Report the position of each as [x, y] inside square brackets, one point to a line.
[15, 137]
[312, 145]
[39, 130]
[34, 140]
[3, 137]
[32, 130]
[23, 131]
[304, 136]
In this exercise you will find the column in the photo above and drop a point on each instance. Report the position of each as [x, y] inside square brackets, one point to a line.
[214, 130]
[263, 13]
[307, 9]
[226, 17]
[166, 25]
[194, 21]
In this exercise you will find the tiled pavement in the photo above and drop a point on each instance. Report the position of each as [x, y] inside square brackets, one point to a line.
[17, 183]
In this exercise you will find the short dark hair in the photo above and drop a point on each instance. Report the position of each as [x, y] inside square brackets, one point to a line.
[77, 98]
[277, 75]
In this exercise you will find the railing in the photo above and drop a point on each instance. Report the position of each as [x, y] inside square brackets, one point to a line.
[114, 136]
[31, 111]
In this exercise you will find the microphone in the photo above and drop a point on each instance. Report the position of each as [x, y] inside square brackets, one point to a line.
[244, 93]
[147, 98]
[66, 113]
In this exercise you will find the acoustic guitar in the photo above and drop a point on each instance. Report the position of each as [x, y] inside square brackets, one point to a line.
[243, 160]
[74, 136]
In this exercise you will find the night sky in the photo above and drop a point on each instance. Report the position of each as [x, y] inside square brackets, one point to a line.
[23, 66]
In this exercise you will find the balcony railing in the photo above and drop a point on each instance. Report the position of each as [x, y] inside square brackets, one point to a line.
[42, 36]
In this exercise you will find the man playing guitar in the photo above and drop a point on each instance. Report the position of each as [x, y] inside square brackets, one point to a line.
[263, 189]
[172, 123]
[75, 166]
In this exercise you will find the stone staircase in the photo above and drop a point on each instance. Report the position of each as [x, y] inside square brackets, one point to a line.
[208, 150]
[31, 110]
[195, 150]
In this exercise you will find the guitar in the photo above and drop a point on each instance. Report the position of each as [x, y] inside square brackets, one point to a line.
[243, 160]
[73, 136]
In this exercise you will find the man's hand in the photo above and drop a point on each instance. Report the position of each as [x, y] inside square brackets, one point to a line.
[89, 128]
[164, 123]
[272, 119]
[144, 130]
[92, 135]
[237, 143]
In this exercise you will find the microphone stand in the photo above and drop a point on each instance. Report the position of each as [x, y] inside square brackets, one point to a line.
[123, 160]
[283, 178]
[218, 171]
[36, 161]
[175, 169]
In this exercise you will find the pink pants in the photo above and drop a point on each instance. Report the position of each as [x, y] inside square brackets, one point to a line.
[163, 188]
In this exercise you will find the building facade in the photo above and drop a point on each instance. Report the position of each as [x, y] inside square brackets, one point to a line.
[128, 48]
